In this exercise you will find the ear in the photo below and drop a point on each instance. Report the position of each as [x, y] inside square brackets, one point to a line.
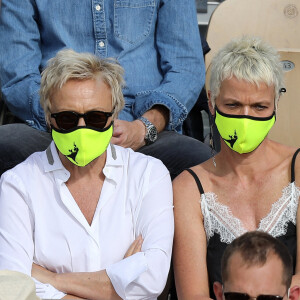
[210, 106]
[294, 292]
[218, 290]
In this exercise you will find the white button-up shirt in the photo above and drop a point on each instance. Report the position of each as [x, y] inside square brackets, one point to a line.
[41, 222]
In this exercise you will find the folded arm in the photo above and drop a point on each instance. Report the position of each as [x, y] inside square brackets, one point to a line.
[84, 285]
[92, 285]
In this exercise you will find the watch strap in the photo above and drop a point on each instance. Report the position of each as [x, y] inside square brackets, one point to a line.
[149, 126]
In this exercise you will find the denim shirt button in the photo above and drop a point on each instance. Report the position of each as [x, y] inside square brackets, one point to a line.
[98, 7]
[101, 44]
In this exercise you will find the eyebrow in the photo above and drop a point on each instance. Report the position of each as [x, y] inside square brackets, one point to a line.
[263, 101]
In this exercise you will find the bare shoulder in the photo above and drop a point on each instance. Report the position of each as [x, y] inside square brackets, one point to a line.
[185, 181]
[185, 188]
[280, 157]
[283, 150]
[281, 153]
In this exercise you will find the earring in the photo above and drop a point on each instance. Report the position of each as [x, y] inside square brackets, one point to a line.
[212, 146]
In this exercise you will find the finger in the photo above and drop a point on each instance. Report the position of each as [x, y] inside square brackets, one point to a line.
[130, 250]
[117, 122]
[138, 245]
[115, 141]
[118, 140]
[117, 131]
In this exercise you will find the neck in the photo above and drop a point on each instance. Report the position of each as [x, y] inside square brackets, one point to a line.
[247, 164]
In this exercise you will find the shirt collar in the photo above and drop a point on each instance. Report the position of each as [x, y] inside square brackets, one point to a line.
[113, 165]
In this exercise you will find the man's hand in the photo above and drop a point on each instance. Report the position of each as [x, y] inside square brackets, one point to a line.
[132, 134]
[129, 134]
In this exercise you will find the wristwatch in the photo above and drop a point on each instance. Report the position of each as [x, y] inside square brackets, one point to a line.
[151, 131]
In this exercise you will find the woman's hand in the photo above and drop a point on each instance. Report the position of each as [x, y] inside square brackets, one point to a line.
[135, 247]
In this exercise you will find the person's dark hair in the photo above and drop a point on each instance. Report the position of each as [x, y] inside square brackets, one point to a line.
[255, 248]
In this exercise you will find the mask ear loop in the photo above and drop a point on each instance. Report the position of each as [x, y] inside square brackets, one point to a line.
[211, 143]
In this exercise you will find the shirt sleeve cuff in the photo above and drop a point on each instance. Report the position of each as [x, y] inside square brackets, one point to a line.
[127, 270]
[147, 99]
[47, 291]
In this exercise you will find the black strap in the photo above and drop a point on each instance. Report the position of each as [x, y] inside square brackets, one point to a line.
[197, 180]
[293, 165]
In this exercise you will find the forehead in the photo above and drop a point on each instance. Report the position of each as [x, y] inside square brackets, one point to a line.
[89, 94]
[84, 86]
[255, 279]
[234, 88]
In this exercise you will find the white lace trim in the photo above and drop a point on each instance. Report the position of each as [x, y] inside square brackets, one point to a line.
[218, 217]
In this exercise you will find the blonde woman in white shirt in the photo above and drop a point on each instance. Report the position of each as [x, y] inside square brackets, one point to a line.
[95, 219]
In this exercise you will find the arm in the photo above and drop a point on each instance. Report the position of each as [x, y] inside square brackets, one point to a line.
[94, 285]
[78, 285]
[20, 58]
[16, 232]
[189, 251]
[296, 277]
[181, 62]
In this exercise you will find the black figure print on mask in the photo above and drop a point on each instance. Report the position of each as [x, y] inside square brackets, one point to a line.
[233, 139]
[73, 153]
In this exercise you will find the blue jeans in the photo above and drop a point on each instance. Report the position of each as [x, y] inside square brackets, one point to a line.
[176, 151]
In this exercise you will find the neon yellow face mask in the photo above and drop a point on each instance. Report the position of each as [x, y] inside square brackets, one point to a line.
[241, 133]
[82, 144]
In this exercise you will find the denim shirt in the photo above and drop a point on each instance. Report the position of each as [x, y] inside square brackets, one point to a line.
[156, 41]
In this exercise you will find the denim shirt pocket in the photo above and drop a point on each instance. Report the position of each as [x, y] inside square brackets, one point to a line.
[133, 19]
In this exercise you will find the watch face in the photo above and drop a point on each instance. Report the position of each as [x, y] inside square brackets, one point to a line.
[152, 134]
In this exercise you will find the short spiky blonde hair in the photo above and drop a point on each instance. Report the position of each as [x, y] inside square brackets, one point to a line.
[68, 64]
[247, 58]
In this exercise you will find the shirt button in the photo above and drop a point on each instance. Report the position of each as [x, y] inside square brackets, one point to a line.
[98, 7]
[101, 44]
